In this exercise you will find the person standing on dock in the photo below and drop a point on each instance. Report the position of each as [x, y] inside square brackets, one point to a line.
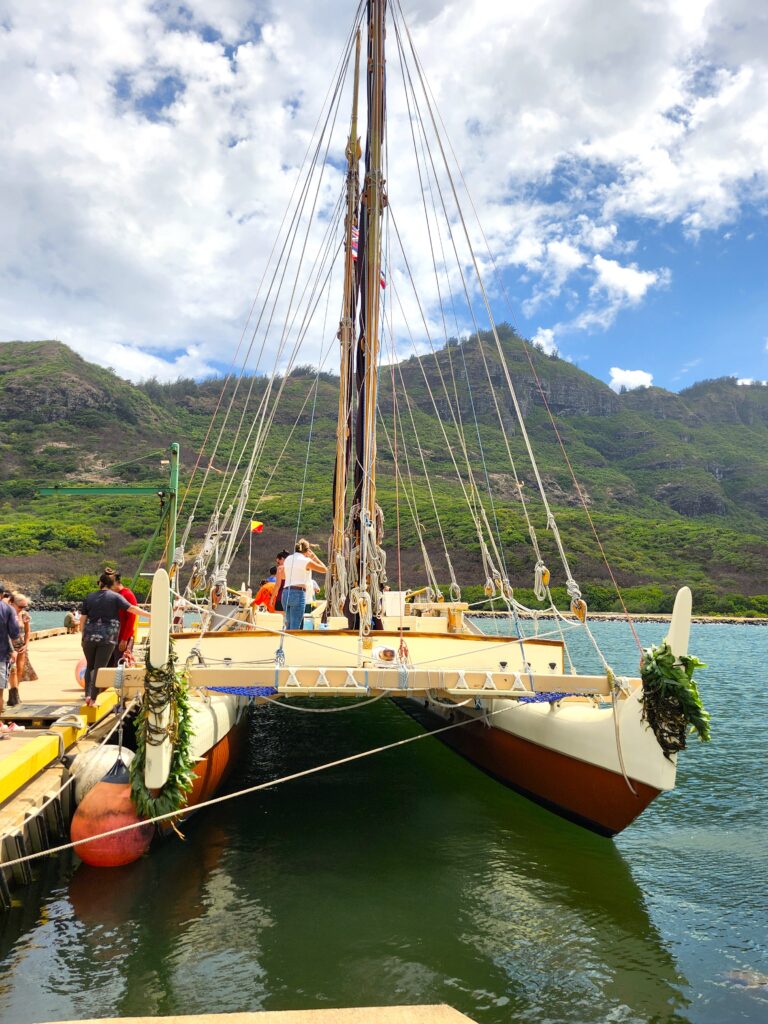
[9, 631]
[127, 632]
[22, 670]
[100, 629]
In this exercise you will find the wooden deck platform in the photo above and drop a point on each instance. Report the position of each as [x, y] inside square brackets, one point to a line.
[434, 1014]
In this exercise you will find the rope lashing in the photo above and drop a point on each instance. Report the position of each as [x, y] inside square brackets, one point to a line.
[578, 604]
[178, 555]
[339, 586]
[541, 581]
[360, 604]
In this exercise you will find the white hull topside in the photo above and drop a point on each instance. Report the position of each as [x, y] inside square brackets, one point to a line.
[586, 733]
[332, 664]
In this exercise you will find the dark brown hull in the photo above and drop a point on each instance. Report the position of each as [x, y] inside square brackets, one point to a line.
[591, 796]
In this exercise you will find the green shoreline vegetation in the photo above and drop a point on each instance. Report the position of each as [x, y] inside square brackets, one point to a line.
[675, 483]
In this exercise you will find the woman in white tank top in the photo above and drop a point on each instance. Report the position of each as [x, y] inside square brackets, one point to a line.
[296, 574]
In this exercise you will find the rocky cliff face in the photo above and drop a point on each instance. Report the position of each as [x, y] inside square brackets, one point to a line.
[658, 403]
[472, 377]
[725, 401]
[712, 401]
[46, 382]
[46, 400]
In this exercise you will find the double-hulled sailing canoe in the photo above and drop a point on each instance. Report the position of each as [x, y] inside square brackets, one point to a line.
[513, 704]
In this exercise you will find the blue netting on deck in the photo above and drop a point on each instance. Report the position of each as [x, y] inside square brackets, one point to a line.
[543, 698]
[245, 691]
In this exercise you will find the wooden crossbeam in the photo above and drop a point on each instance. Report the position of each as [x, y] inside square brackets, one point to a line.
[353, 682]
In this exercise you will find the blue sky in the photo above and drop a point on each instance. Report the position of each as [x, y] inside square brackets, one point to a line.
[618, 155]
[710, 321]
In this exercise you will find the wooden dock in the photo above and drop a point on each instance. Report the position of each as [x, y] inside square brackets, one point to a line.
[34, 814]
[433, 1014]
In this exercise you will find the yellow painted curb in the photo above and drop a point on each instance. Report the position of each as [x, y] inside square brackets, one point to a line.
[18, 767]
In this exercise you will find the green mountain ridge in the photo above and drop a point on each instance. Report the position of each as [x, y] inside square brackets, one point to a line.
[677, 483]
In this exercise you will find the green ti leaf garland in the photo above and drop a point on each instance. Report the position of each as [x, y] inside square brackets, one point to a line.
[671, 702]
[167, 687]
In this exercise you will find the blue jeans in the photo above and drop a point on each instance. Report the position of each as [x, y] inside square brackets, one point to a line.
[293, 606]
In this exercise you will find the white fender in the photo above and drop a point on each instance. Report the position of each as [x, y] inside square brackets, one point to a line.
[680, 626]
[157, 765]
[91, 767]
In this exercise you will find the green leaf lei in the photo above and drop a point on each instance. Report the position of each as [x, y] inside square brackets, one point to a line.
[671, 702]
[167, 687]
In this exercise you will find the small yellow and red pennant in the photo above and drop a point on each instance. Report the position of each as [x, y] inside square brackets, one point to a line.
[256, 526]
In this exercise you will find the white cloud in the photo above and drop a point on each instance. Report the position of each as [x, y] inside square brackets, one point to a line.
[141, 365]
[150, 149]
[625, 283]
[629, 379]
[545, 339]
[746, 381]
[597, 236]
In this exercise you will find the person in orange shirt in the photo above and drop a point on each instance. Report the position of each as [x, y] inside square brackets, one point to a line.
[265, 591]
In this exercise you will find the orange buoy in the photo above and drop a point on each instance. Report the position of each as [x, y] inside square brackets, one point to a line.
[80, 672]
[108, 806]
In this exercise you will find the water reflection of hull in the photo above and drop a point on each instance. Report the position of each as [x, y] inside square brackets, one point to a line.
[588, 794]
[569, 912]
[478, 899]
[160, 929]
[471, 896]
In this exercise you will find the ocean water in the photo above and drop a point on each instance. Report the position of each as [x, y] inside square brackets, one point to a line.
[412, 877]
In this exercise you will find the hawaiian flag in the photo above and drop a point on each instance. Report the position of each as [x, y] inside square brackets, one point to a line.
[355, 245]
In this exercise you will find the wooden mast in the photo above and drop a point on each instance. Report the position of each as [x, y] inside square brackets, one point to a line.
[366, 562]
[335, 588]
[374, 199]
